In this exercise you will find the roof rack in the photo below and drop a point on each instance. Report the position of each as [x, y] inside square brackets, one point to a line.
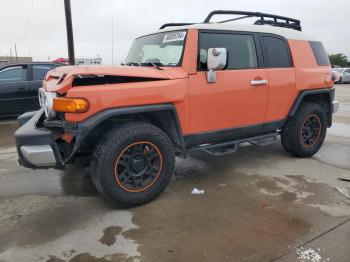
[265, 19]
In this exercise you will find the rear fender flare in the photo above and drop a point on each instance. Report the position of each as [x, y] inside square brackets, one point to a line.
[308, 94]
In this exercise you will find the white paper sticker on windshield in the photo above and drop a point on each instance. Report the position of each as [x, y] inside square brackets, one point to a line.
[176, 36]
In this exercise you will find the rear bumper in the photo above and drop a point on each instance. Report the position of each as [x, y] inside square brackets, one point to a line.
[36, 146]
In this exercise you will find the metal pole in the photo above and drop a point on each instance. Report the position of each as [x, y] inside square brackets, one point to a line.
[16, 53]
[11, 55]
[69, 27]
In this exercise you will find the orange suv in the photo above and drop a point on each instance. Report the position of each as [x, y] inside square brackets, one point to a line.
[205, 86]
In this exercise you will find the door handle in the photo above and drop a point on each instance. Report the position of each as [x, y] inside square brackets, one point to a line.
[21, 88]
[259, 82]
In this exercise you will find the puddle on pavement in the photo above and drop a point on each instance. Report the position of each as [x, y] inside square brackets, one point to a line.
[70, 182]
[70, 232]
[77, 182]
[110, 235]
[7, 129]
[87, 257]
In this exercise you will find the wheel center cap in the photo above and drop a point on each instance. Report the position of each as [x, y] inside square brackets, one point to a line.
[138, 164]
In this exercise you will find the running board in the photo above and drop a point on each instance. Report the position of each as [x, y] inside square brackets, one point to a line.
[231, 147]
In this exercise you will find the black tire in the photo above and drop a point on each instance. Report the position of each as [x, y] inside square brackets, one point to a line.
[296, 137]
[107, 161]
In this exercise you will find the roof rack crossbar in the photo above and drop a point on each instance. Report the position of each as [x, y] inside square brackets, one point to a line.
[174, 24]
[234, 19]
[286, 22]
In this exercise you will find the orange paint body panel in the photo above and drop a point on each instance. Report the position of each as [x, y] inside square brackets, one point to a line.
[230, 102]
[285, 84]
[103, 97]
[309, 75]
[281, 93]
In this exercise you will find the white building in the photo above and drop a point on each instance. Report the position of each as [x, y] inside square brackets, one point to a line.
[88, 61]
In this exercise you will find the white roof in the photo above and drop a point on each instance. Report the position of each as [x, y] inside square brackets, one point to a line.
[285, 32]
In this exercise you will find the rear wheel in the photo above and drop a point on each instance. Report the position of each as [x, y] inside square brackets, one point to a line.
[133, 164]
[304, 133]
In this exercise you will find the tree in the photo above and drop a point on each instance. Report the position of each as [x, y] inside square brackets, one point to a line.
[339, 60]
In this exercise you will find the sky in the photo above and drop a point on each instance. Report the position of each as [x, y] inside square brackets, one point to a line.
[38, 29]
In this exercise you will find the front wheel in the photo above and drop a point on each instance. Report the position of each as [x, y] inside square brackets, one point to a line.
[133, 164]
[304, 133]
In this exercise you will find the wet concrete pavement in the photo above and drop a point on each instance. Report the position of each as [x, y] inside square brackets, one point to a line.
[259, 205]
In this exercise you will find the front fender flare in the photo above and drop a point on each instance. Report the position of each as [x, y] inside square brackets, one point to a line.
[82, 130]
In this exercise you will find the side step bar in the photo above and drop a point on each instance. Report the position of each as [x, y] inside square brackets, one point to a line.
[226, 148]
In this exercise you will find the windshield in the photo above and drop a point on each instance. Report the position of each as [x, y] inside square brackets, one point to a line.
[162, 49]
[340, 70]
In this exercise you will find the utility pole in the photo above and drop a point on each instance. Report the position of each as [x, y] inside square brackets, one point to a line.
[11, 55]
[69, 27]
[16, 53]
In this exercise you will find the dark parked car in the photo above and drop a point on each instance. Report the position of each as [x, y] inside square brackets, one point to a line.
[19, 84]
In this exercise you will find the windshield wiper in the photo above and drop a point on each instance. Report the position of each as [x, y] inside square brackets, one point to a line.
[153, 64]
[133, 64]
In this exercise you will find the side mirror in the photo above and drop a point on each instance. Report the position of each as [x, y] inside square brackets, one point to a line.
[217, 60]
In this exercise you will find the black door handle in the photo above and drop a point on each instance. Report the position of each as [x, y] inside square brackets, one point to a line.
[21, 88]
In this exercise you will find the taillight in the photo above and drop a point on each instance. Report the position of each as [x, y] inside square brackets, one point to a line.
[70, 105]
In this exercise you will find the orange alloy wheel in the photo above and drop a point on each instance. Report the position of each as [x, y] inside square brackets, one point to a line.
[311, 130]
[138, 166]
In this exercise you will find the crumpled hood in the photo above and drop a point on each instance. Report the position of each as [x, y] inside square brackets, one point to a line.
[61, 79]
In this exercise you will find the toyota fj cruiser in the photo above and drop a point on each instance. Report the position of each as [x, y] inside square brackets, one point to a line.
[205, 86]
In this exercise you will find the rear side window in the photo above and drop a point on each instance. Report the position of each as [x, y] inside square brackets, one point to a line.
[39, 71]
[240, 48]
[276, 52]
[320, 53]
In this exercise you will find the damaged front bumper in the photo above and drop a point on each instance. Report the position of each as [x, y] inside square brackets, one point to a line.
[35, 144]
